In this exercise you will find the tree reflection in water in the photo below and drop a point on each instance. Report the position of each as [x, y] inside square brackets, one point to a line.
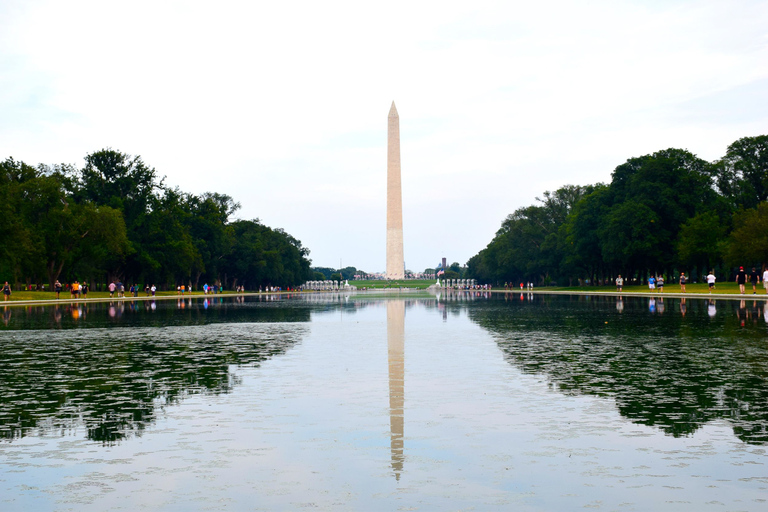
[115, 381]
[676, 367]
[668, 364]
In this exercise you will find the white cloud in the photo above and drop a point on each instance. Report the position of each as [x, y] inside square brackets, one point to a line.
[284, 105]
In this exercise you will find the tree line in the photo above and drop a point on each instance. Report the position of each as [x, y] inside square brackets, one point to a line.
[115, 219]
[334, 274]
[666, 212]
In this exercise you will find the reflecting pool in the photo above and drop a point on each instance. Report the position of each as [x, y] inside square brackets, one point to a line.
[362, 402]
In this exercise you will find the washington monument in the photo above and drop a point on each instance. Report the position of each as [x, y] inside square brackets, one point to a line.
[395, 258]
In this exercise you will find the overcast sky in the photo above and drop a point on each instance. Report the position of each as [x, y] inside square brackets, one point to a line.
[283, 105]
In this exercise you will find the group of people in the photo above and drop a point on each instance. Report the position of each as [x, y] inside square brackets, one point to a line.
[657, 282]
[213, 289]
[463, 287]
[210, 289]
[119, 288]
[76, 289]
[754, 279]
[528, 285]
[79, 290]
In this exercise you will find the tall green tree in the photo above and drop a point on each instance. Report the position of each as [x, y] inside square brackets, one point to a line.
[207, 219]
[583, 250]
[113, 218]
[748, 242]
[652, 196]
[51, 229]
[80, 233]
[702, 241]
[529, 245]
[121, 181]
[166, 253]
[18, 250]
[125, 183]
[660, 210]
[262, 257]
[742, 174]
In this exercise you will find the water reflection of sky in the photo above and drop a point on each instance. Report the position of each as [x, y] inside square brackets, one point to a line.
[487, 422]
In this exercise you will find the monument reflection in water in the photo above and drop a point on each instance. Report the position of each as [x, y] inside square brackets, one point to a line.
[396, 358]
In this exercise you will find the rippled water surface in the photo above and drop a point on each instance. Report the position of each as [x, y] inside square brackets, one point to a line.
[411, 402]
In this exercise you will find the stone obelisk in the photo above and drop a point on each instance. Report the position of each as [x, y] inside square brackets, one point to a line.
[395, 258]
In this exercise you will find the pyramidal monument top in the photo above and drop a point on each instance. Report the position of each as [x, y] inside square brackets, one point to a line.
[393, 110]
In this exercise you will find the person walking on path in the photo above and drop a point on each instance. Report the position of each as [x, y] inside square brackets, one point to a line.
[112, 287]
[57, 288]
[6, 291]
[741, 279]
[651, 283]
[682, 282]
[660, 283]
[711, 280]
[754, 278]
[765, 281]
[619, 283]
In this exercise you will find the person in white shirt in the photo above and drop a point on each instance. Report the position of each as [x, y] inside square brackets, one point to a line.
[711, 280]
[765, 276]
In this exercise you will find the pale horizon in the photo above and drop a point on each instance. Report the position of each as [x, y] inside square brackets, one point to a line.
[284, 106]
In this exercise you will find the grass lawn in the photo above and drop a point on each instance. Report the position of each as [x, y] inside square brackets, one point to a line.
[27, 295]
[721, 288]
[404, 283]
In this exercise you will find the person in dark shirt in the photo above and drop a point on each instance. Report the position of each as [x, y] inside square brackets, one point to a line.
[741, 279]
[754, 278]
